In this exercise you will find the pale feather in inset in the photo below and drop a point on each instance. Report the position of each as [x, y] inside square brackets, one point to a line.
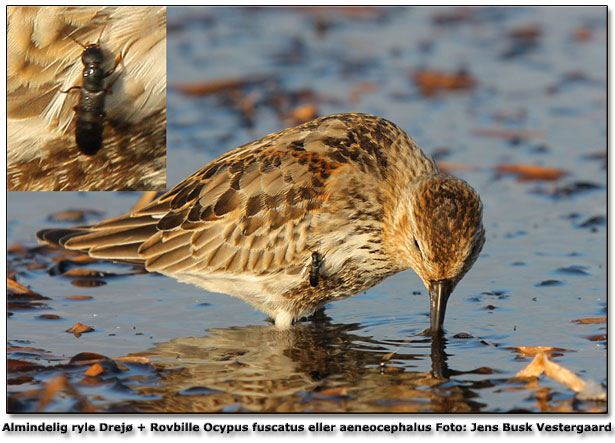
[43, 60]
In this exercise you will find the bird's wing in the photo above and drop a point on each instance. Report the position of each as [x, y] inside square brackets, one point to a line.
[254, 209]
[248, 211]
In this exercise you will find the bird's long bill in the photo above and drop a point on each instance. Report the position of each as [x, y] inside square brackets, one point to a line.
[439, 291]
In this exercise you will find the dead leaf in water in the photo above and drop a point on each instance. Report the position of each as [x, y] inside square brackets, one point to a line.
[84, 358]
[78, 297]
[133, 359]
[94, 370]
[49, 317]
[531, 172]
[532, 351]
[87, 283]
[14, 365]
[16, 291]
[590, 320]
[80, 328]
[83, 272]
[217, 86]
[541, 364]
[534, 369]
[432, 82]
[10, 348]
[598, 337]
[563, 375]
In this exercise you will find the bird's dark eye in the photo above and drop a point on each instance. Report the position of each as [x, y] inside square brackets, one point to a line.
[417, 245]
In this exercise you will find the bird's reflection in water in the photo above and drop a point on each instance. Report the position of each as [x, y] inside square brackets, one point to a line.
[315, 366]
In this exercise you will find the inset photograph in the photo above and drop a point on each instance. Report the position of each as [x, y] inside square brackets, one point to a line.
[86, 98]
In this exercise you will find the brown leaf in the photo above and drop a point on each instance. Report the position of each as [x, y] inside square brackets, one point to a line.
[23, 348]
[531, 351]
[216, 86]
[590, 320]
[534, 369]
[133, 359]
[78, 297]
[87, 283]
[432, 82]
[94, 370]
[541, 364]
[598, 337]
[14, 365]
[49, 317]
[563, 376]
[85, 358]
[531, 172]
[83, 272]
[15, 291]
[79, 328]
[19, 380]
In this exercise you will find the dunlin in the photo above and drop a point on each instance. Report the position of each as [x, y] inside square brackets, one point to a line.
[302, 217]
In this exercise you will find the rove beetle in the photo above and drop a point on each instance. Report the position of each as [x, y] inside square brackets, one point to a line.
[315, 269]
[91, 108]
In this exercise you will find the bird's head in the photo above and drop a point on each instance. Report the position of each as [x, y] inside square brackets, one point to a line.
[439, 233]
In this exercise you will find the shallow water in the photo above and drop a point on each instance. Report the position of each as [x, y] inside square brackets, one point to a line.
[543, 265]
